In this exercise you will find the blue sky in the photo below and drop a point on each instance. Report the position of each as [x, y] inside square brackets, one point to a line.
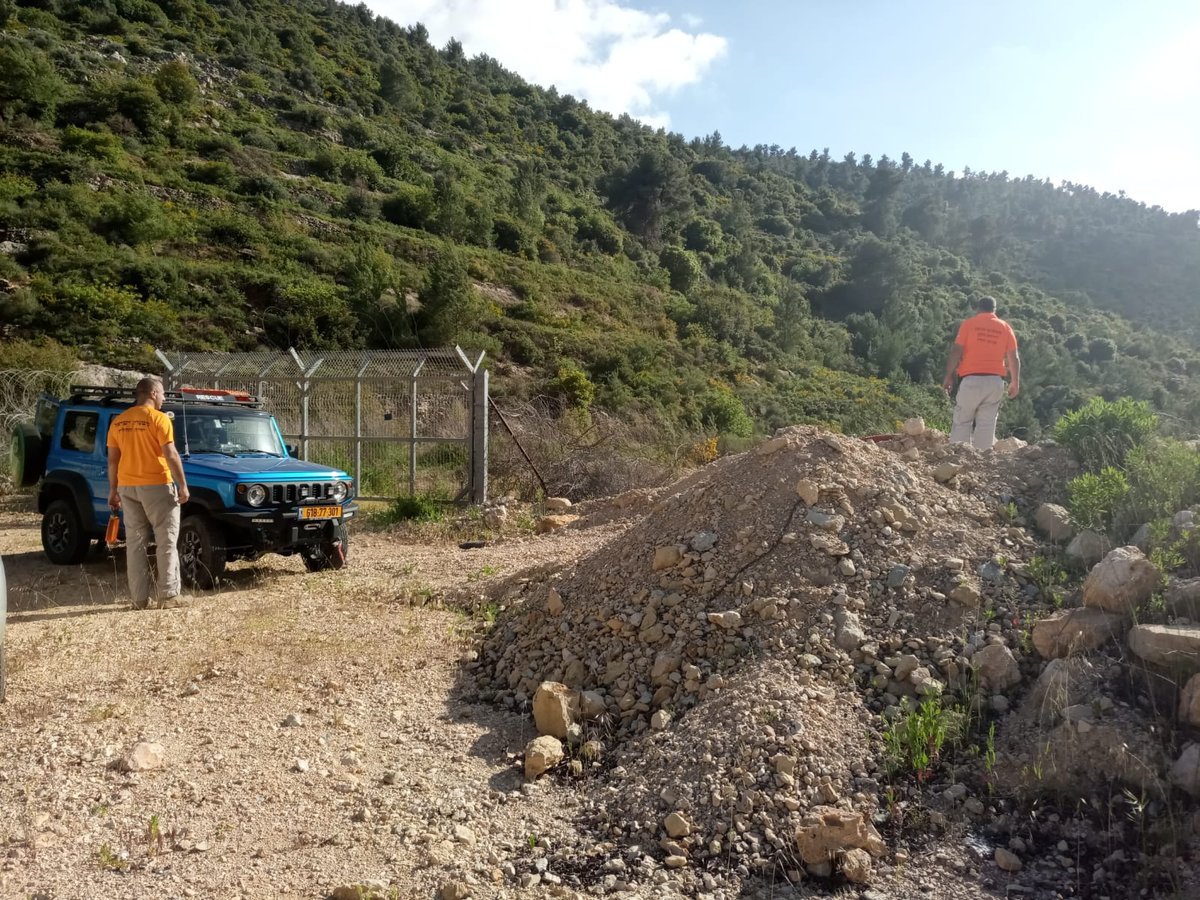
[1105, 92]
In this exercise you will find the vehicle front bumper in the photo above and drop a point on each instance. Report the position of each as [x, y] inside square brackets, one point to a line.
[280, 529]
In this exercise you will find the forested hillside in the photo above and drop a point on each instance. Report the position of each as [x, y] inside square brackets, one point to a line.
[233, 174]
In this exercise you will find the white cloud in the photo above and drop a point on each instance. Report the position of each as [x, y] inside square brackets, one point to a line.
[620, 59]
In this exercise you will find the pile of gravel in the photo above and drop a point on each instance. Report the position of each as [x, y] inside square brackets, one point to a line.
[735, 648]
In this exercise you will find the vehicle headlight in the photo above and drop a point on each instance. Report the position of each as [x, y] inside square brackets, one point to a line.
[256, 495]
[341, 491]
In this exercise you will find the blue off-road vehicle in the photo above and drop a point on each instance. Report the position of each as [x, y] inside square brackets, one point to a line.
[249, 494]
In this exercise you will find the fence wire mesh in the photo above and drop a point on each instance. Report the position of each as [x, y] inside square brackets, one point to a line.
[403, 422]
[19, 392]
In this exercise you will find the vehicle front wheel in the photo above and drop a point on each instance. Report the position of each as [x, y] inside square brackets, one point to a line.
[201, 552]
[63, 537]
[330, 553]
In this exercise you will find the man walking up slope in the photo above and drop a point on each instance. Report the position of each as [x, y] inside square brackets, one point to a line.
[984, 352]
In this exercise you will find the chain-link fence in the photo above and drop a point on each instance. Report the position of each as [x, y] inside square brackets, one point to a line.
[19, 392]
[403, 422]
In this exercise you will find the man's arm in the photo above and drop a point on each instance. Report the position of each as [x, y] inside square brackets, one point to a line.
[175, 464]
[956, 354]
[1013, 360]
[114, 460]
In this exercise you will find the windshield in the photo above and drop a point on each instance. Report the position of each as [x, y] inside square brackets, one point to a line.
[210, 431]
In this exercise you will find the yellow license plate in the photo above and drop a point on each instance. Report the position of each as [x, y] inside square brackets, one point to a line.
[320, 512]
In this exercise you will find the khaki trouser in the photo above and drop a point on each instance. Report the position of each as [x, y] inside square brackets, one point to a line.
[151, 510]
[976, 407]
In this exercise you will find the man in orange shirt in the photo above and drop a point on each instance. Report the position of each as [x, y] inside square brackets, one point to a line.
[984, 352]
[145, 478]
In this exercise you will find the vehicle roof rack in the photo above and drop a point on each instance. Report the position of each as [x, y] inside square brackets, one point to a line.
[81, 393]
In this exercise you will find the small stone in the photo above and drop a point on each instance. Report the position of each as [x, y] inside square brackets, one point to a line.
[464, 835]
[704, 541]
[728, 620]
[455, 890]
[1007, 860]
[293, 720]
[675, 862]
[677, 825]
[660, 720]
[541, 754]
[946, 471]
[808, 490]
[557, 504]
[554, 602]
[666, 557]
[855, 865]
[144, 757]
[300, 765]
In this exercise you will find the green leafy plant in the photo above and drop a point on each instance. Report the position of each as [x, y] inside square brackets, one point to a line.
[1049, 576]
[1096, 498]
[1102, 433]
[914, 740]
[110, 859]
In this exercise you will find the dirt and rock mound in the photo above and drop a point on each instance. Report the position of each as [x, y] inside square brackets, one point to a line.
[719, 648]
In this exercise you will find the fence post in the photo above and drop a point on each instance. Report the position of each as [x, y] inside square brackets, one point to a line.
[358, 435]
[479, 435]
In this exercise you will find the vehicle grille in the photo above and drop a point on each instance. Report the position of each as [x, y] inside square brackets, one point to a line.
[301, 491]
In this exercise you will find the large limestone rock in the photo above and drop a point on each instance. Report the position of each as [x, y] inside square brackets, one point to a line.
[827, 832]
[1078, 630]
[1173, 646]
[1185, 772]
[555, 709]
[1087, 549]
[1189, 702]
[541, 754]
[553, 523]
[1183, 598]
[1054, 521]
[557, 504]
[1121, 582]
[997, 667]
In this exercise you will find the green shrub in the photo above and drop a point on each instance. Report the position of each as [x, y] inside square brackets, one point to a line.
[1097, 497]
[1102, 432]
[572, 384]
[175, 83]
[723, 413]
[411, 509]
[30, 85]
[1164, 477]
[220, 174]
[96, 144]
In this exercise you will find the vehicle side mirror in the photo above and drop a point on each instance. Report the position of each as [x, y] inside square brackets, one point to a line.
[292, 449]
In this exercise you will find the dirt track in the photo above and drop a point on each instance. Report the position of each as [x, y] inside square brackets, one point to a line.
[395, 761]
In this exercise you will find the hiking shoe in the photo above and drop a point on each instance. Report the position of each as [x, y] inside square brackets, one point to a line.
[176, 602]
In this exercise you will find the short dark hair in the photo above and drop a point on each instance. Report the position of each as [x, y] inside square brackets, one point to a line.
[986, 304]
[146, 386]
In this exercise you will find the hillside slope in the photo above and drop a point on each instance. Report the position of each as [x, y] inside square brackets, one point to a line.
[229, 175]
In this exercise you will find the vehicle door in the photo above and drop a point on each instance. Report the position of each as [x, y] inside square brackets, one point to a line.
[80, 448]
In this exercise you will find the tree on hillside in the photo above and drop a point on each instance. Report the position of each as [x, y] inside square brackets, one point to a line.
[29, 84]
[643, 194]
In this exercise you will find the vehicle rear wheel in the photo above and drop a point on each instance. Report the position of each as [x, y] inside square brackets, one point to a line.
[63, 537]
[27, 454]
[202, 553]
[330, 553]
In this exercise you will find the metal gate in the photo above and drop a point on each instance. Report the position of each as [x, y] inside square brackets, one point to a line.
[401, 421]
